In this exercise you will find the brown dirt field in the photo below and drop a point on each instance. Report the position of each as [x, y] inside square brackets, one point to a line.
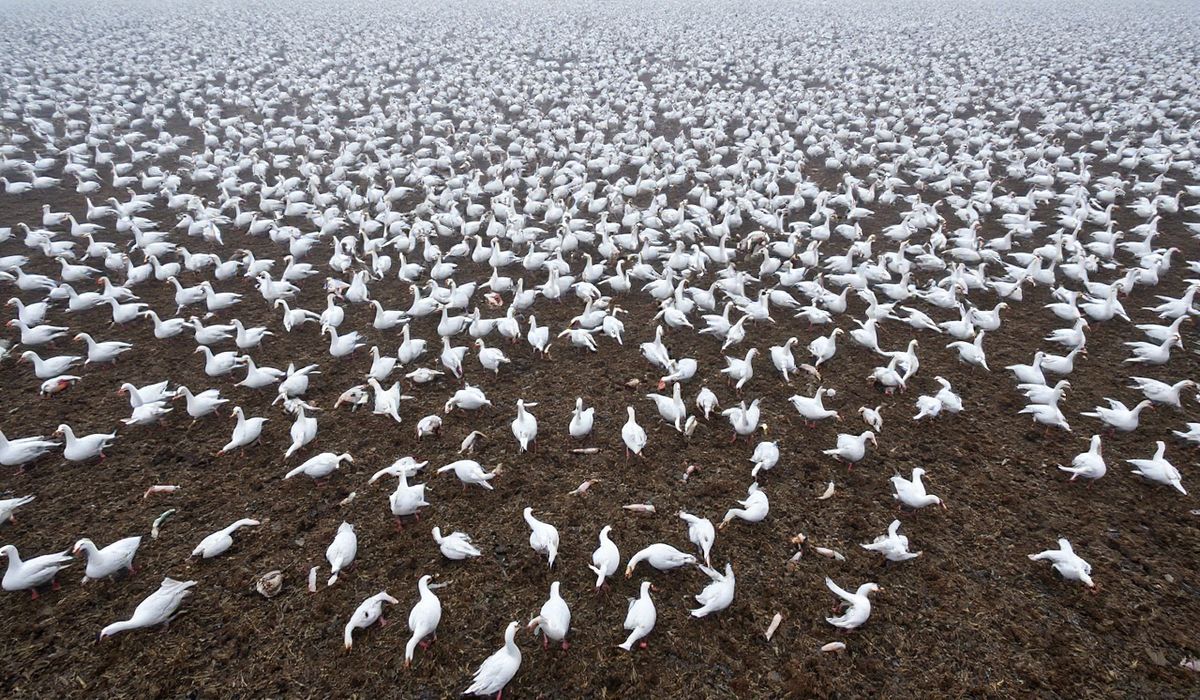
[971, 617]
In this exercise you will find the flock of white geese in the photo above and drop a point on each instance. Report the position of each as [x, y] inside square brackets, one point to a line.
[486, 189]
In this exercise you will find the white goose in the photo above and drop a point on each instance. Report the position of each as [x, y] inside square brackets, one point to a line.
[543, 537]
[456, 546]
[718, 594]
[911, 492]
[852, 448]
[81, 449]
[859, 605]
[22, 451]
[320, 466]
[1067, 563]
[606, 559]
[553, 620]
[8, 507]
[755, 507]
[893, 546]
[661, 556]
[202, 404]
[1118, 416]
[368, 613]
[341, 551]
[633, 435]
[498, 669]
[469, 471]
[812, 409]
[423, 619]
[640, 618]
[156, 609]
[102, 563]
[524, 426]
[1090, 464]
[1158, 469]
[581, 420]
[220, 541]
[245, 432]
[30, 574]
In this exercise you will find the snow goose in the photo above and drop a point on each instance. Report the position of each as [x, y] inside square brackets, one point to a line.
[852, 448]
[740, 370]
[718, 594]
[469, 471]
[1067, 563]
[893, 546]
[1031, 373]
[633, 435]
[245, 432]
[1119, 417]
[1090, 464]
[222, 363]
[295, 382]
[368, 613]
[1047, 415]
[341, 551]
[102, 563]
[34, 335]
[491, 358]
[524, 426]
[163, 329]
[100, 352]
[302, 432]
[50, 367]
[606, 559]
[8, 507]
[538, 336]
[1192, 434]
[661, 556]
[857, 604]
[452, 357]
[469, 398]
[744, 419]
[294, 318]
[581, 420]
[211, 334]
[764, 458]
[156, 609]
[81, 449]
[671, 408]
[259, 377]
[341, 345]
[911, 492]
[700, 533]
[246, 338]
[824, 348]
[1158, 469]
[553, 620]
[202, 404]
[320, 466]
[423, 619]
[456, 546]
[1161, 392]
[220, 541]
[543, 537]
[971, 353]
[755, 507]
[30, 574]
[498, 669]
[21, 451]
[640, 618]
[782, 358]
[812, 409]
